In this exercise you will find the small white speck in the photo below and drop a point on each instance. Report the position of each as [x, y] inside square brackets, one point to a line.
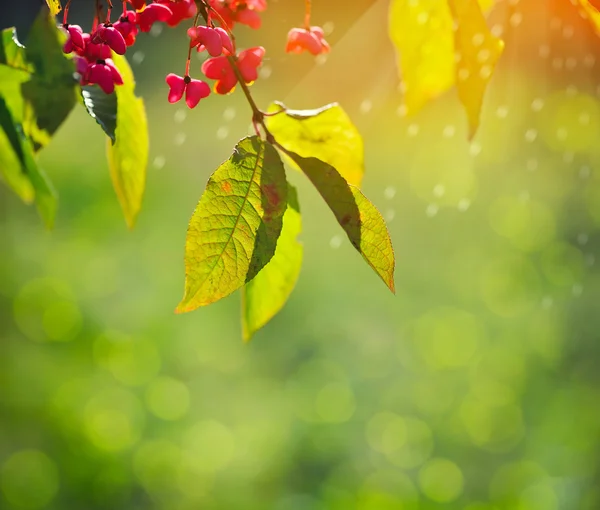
[335, 242]
[156, 30]
[138, 57]
[497, 30]
[547, 302]
[265, 72]
[413, 130]
[180, 139]
[501, 112]
[328, 28]
[180, 115]
[464, 204]
[590, 260]
[439, 190]
[390, 214]
[159, 162]
[449, 131]
[532, 164]
[516, 19]
[531, 135]
[229, 113]
[583, 239]
[474, 149]
[321, 59]
[562, 134]
[432, 210]
[222, 133]
[537, 104]
[366, 106]
[389, 192]
[402, 111]
[577, 289]
[585, 171]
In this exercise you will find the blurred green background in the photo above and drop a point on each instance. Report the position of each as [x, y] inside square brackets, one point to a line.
[476, 387]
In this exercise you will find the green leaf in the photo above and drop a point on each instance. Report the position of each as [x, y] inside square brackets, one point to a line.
[49, 94]
[234, 230]
[20, 169]
[101, 107]
[326, 133]
[359, 218]
[266, 294]
[11, 166]
[12, 52]
[128, 155]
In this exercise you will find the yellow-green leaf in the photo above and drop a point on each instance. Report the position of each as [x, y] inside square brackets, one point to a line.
[326, 133]
[266, 294]
[128, 155]
[477, 52]
[234, 230]
[54, 6]
[360, 219]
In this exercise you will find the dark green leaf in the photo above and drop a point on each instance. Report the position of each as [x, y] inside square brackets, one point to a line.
[234, 230]
[49, 94]
[128, 155]
[101, 107]
[360, 219]
[265, 295]
[20, 169]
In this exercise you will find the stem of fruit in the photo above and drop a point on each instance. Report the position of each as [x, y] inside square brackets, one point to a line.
[258, 116]
[307, 4]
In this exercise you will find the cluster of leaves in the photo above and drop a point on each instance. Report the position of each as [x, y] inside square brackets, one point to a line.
[38, 90]
[243, 233]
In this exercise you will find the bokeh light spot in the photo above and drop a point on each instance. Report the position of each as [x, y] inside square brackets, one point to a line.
[29, 480]
[441, 480]
[168, 398]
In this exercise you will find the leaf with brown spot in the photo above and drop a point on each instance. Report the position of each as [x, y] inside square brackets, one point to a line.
[360, 219]
[233, 235]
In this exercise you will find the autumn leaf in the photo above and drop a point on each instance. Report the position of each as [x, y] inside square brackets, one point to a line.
[427, 46]
[326, 133]
[54, 6]
[234, 230]
[128, 151]
[360, 219]
[477, 52]
[266, 294]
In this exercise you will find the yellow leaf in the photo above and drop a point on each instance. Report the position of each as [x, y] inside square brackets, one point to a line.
[128, 156]
[590, 12]
[477, 52]
[54, 6]
[428, 45]
[422, 34]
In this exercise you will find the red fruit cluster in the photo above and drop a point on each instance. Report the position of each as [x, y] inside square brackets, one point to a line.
[303, 39]
[245, 12]
[226, 66]
[93, 50]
